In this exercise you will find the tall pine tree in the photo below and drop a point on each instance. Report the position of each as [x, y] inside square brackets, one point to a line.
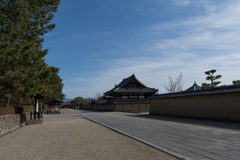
[22, 25]
[51, 84]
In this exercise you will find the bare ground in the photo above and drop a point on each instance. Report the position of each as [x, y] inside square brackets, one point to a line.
[70, 137]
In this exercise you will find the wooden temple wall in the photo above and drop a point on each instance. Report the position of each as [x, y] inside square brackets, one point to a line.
[86, 107]
[219, 106]
[132, 107]
[118, 107]
[99, 107]
[104, 107]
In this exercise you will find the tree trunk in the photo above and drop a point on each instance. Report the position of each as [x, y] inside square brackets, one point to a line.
[8, 103]
[18, 102]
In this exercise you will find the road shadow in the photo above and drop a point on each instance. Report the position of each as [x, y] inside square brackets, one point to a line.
[191, 121]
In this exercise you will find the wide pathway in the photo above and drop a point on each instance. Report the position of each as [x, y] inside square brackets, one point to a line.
[71, 137]
[184, 138]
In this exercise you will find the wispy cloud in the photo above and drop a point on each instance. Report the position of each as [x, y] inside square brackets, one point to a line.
[191, 46]
[181, 2]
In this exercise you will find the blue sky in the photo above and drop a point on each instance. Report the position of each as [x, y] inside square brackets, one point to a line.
[98, 43]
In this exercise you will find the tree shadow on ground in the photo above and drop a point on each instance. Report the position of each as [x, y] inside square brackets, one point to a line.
[191, 121]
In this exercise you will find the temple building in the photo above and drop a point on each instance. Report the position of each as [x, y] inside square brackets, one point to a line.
[130, 95]
[194, 87]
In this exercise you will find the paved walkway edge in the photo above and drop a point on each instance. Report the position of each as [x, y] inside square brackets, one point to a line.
[177, 155]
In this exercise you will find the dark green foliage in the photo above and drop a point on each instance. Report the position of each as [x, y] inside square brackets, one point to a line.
[237, 82]
[22, 65]
[52, 83]
[77, 100]
[212, 78]
[205, 86]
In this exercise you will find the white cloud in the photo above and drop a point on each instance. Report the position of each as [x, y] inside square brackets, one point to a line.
[154, 72]
[203, 43]
[216, 32]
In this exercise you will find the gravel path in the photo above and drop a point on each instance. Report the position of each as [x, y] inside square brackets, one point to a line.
[69, 136]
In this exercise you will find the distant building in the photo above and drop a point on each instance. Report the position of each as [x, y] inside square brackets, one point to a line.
[130, 95]
[66, 105]
[194, 87]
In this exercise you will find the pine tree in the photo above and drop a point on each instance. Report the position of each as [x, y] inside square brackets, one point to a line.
[77, 101]
[51, 84]
[212, 78]
[237, 82]
[22, 25]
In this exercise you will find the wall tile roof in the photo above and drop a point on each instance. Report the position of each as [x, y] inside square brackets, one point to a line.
[212, 91]
[134, 90]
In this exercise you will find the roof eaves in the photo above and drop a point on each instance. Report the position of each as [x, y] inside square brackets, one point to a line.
[117, 86]
[220, 90]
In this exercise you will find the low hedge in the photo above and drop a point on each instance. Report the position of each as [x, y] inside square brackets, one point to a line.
[26, 108]
[16, 110]
[7, 110]
[51, 107]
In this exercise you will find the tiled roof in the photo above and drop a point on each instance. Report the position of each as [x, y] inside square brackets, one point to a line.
[135, 90]
[121, 86]
[212, 91]
[194, 87]
[39, 96]
[54, 100]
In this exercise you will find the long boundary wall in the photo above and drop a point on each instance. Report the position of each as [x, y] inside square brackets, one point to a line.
[104, 107]
[86, 107]
[99, 107]
[11, 122]
[118, 107]
[132, 107]
[219, 106]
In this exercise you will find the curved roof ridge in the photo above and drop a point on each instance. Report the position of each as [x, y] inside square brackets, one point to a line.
[125, 82]
[194, 87]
